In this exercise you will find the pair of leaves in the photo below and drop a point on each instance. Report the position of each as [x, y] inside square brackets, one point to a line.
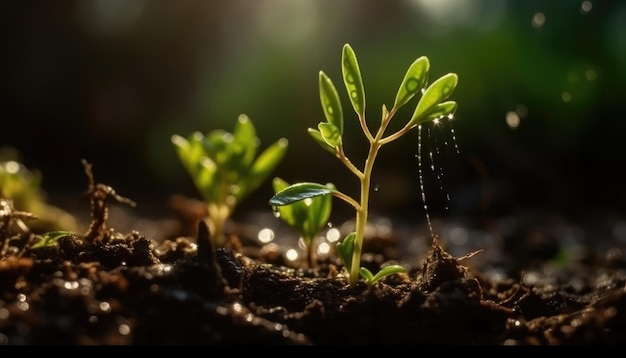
[345, 249]
[329, 134]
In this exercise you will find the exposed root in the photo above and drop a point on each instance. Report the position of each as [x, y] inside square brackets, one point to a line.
[99, 196]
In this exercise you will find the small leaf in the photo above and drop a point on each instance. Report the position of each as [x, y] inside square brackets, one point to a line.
[245, 143]
[189, 150]
[205, 179]
[308, 217]
[319, 211]
[385, 113]
[299, 191]
[441, 110]
[317, 136]
[434, 94]
[367, 275]
[352, 80]
[216, 144]
[330, 134]
[386, 271]
[331, 104]
[345, 248]
[262, 167]
[413, 82]
[51, 239]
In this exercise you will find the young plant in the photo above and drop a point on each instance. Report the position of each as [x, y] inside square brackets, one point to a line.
[22, 186]
[225, 168]
[308, 216]
[432, 105]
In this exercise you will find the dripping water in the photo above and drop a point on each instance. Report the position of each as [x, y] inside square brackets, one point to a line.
[421, 177]
[437, 170]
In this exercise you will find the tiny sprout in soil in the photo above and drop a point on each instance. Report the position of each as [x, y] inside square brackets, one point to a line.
[432, 105]
[225, 168]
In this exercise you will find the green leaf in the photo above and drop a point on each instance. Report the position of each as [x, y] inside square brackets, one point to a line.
[308, 216]
[414, 80]
[299, 191]
[434, 94]
[387, 271]
[385, 113]
[205, 179]
[244, 145]
[330, 134]
[345, 248]
[317, 136]
[262, 167]
[441, 110]
[384, 272]
[319, 210]
[331, 104]
[367, 275]
[50, 239]
[189, 150]
[352, 80]
[287, 212]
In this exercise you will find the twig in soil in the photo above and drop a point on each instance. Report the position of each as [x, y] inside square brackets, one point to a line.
[99, 196]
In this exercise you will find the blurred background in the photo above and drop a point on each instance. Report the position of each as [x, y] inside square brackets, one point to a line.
[540, 122]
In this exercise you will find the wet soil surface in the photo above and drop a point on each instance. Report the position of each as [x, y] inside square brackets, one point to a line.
[127, 289]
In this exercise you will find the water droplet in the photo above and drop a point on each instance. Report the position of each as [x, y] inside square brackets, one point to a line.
[276, 211]
[376, 187]
[421, 177]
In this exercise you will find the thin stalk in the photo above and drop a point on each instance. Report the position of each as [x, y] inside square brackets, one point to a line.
[361, 213]
[365, 180]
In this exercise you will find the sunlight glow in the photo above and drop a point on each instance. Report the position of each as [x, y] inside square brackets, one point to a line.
[476, 14]
[333, 235]
[539, 19]
[266, 235]
[285, 21]
[566, 96]
[323, 248]
[512, 119]
[291, 255]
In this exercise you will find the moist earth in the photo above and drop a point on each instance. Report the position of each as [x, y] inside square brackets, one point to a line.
[116, 289]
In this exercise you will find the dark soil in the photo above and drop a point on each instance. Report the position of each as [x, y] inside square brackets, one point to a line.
[109, 288]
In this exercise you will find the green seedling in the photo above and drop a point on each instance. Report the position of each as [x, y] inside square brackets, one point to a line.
[308, 216]
[431, 106]
[225, 168]
[22, 186]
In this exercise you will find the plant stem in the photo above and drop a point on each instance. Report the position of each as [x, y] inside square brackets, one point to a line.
[361, 215]
[362, 211]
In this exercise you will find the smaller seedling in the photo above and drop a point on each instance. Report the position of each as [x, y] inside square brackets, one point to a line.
[329, 135]
[225, 168]
[22, 186]
[308, 216]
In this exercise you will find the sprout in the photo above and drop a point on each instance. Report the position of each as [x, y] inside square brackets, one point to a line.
[308, 216]
[431, 105]
[225, 168]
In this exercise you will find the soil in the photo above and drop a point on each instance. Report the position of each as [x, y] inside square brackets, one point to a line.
[104, 287]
